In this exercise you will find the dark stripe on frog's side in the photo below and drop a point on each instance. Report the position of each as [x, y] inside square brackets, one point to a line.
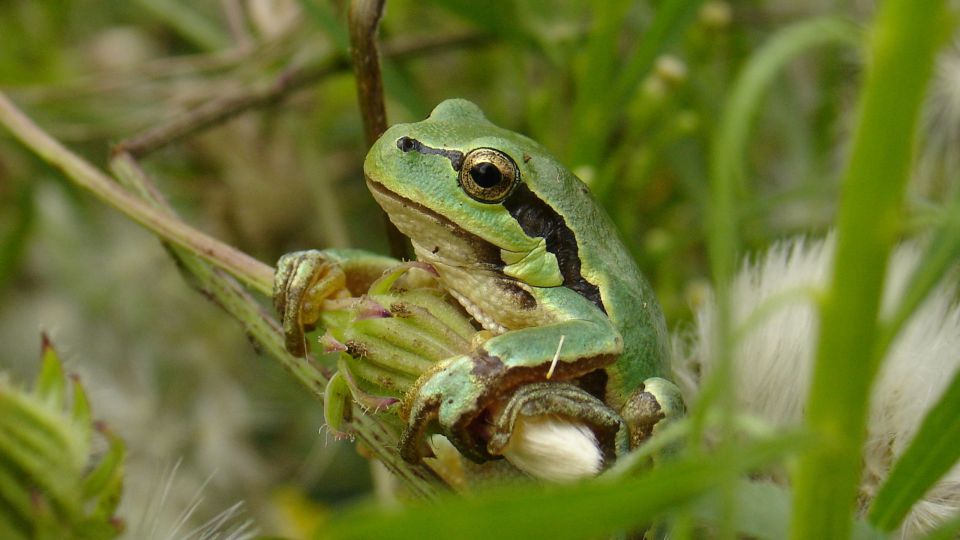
[486, 253]
[537, 218]
[409, 144]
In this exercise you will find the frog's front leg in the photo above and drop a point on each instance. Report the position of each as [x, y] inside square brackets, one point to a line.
[304, 279]
[463, 396]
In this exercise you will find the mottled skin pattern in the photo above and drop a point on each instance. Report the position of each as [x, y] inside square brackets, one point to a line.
[544, 263]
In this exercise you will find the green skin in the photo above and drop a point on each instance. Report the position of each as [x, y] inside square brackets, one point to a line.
[541, 266]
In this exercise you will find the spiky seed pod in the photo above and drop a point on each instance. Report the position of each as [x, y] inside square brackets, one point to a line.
[51, 486]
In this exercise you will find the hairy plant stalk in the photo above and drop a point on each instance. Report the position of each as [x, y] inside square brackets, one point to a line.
[204, 260]
[250, 271]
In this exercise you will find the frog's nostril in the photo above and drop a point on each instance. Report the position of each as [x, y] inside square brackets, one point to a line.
[406, 144]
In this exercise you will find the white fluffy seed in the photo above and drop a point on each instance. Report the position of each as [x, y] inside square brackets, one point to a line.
[553, 448]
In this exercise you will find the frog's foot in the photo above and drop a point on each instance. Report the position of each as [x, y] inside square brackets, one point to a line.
[442, 400]
[481, 425]
[655, 403]
[558, 432]
[304, 279]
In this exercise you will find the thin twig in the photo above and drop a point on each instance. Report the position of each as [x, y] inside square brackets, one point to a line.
[364, 21]
[223, 108]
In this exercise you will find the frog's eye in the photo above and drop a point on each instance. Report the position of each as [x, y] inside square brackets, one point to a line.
[488, 175]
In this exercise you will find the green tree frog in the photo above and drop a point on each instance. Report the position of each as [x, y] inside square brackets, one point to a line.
[520, 243]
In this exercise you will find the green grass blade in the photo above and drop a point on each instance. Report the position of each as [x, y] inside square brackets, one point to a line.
[189, 23]
[597, 115]
[727, 155]
[51, 382]
[947, 531]
[587, 510]
[756, 78]
[902, 45]
[940, 255]
[932, 453]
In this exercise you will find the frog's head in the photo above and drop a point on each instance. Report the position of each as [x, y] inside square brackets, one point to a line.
[456, 185]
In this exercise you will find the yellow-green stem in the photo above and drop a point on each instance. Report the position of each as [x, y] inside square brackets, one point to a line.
[254, 273]
[901, 49]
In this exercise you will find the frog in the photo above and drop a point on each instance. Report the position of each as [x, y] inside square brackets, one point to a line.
[572, 327]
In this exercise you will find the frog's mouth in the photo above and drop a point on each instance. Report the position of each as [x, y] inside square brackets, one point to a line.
[470, 266]
[437, 234]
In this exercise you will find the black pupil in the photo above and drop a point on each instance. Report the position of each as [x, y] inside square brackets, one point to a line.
[486, 175]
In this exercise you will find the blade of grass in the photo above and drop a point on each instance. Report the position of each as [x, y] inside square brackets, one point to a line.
[727, 155]
[756, 78]
[947, 531]
[587, 510]
[726, 176]
[942, 252]
[188, 23]
[902, 44]
[933, 451]
[597, 113]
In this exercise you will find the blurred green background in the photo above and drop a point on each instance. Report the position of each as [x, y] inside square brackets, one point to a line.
[629, 105]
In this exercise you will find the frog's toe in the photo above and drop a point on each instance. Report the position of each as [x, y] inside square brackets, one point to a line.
[413, 441]
[302, 281]
[653, 404]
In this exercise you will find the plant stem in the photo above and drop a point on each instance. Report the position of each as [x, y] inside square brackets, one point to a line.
[195, 252]
[901, 49]
[254, 273]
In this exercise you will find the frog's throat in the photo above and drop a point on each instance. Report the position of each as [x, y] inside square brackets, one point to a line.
[486, 320]
[484, 252]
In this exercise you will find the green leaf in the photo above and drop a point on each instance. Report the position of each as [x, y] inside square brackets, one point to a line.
[336, 402]
[588, 510]
[82, 416]
[941, 253]
[902, 45]
[104, 483]
[933, 451]
[51, 384]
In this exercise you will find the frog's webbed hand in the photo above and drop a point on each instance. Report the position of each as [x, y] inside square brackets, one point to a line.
[304, 279]
[465, 396]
